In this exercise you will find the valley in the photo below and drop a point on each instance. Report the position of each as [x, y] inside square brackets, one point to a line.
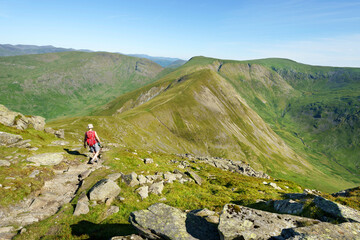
[220, 136]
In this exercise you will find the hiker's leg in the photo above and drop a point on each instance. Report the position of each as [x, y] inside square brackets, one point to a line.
[95, 156]
[97, 152]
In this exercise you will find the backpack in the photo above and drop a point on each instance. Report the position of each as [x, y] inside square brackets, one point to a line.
[90, 138]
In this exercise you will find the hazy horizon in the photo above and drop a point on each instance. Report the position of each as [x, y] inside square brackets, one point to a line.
[323, 33]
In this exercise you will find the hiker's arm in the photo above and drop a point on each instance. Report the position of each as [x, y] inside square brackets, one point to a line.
[97, 138]
[85, 141]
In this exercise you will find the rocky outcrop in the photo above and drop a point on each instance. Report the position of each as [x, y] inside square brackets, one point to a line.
[333, 212]
[103, 190]
[19, 121]
[228, 165]
[337, 210]
[323, 231]
[48, 159]
[13, 140]
[161, 221]
[55, 192]
[238, 222]
[154, 184]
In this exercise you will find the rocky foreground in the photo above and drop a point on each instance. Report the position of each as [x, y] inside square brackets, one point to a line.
[162, 221]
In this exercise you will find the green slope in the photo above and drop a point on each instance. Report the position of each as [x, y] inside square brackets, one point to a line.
[70, 83]
[215, 107]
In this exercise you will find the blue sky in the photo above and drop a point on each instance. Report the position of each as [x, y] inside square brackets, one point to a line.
[312, 32]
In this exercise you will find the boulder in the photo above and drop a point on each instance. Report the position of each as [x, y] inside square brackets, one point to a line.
[196, 177]
[161, 221]
[104, 189]
[148, 160]
[156, 188]
[112, 210]
[4, 163]
[131, 179]
[238, 222]
[288, 206]
[143, 191]
[169, 177]
[7, 139]
[142, 179]
[60, 133]
[337, 210]
[114, 176]
[81, 208]
[37, 122]
[18, 120]
[323, 230]
[49, 159]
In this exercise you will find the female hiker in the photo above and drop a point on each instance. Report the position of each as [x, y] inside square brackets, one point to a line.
[93, 141]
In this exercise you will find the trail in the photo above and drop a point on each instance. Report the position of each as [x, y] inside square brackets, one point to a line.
[54, 194]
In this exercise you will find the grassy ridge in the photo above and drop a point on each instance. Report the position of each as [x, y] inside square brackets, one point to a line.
[279, 99]
[69, 83]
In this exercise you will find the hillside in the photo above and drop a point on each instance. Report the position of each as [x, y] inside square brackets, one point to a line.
[49, 191]
[70, 83]
[226, 109]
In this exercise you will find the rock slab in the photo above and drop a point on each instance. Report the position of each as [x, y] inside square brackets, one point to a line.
[49, 159]
[238, 222]
[104, 189]
[161, 221]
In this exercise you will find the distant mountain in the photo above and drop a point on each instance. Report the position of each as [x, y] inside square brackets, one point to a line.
[162, 61]
[70, 83]
[14, 50]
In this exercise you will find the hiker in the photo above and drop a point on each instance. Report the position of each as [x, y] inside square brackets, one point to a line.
[93, 141]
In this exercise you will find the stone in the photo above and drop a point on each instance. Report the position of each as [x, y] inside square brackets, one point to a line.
[129, 237]
[238, 222]
[37, 122]
[161, 221]
[323, 230]
[142, 179]
[114, 176]
[131, 179]
[143, 192]
[4, 163]
[112, 210]
[103, 190]
[48, 159]
[207, 214]
[196, 177]
[337, 210]
[34, 173]
[49, 130]
[7, 139]
[119, 198]
[288, 206]
[81, 208]
[84, 174]
[59, 143]
[156, 188]
[18, 120]
[169, 177]
[148, 160]
[60, 133]
[274, 185]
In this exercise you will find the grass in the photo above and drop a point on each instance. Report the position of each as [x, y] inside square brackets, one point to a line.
[59, 85]
[213, 194]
